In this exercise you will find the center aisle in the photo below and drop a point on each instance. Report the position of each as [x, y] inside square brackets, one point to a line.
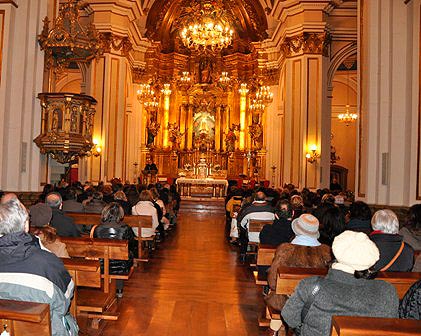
[193, 285]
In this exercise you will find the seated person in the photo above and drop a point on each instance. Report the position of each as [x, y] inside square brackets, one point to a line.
[359, 217]
[64, 225]
[40, 217]
[121, 198]
[146, 207]
[95, 204]
[332, 224]
[113, 227]
[346, 290]
[411, 233]
[71, 204]
[304, 251]
[28, 273]
[395, 254]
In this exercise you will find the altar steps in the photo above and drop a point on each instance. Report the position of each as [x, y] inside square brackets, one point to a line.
[202, 205]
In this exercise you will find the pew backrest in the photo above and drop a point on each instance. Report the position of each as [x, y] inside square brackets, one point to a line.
[25, 318]
[95, 248]
[289, 277]
[265, 254]
[373, 326]
[256, 225]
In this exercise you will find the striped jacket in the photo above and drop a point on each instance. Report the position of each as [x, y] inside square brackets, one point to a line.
[257, 210]
[28, 273]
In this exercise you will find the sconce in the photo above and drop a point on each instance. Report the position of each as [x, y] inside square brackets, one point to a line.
[96, 149]
[312, 156]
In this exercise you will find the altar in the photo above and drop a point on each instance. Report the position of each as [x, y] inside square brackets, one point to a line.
[201, 187]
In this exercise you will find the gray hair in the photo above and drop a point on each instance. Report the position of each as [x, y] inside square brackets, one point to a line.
[53, 200]
[13, 217]
[386, 221]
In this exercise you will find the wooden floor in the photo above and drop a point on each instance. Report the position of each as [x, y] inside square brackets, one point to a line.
[192, 286]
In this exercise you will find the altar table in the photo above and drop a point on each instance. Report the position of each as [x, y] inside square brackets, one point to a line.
[219, 187]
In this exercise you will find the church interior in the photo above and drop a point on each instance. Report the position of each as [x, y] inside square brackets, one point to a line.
[208, 97]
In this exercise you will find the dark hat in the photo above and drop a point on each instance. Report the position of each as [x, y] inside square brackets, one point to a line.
[40, 215]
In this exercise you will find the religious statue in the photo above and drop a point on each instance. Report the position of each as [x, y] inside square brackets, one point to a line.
[175, 135]
[153, 129]
[230, 138]
[73, 119]
[256, 134]
[205, 70]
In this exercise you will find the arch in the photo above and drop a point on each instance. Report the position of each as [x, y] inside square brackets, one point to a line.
[339, 57]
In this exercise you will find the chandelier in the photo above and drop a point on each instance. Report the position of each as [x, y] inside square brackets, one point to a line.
[264, 95]
[256, 106]
[166, 91]
[243, 90]
[347, 117]
[207, 29]
[145, 93]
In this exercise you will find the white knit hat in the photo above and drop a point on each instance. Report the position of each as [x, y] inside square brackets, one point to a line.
[354, 251]
[306, 225]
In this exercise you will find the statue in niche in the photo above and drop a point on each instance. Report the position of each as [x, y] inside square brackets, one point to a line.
[175, 135]
[73, 120]
[256, 134]
[54, 121]
[205, 70]
[202, 169]
[153, 129]
[231, 138]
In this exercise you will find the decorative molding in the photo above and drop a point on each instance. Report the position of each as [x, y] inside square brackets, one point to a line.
[14, 3]
[306, 43]
[137, 75]
[112, 43]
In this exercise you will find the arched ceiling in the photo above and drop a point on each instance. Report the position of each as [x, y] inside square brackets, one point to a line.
[248, 21]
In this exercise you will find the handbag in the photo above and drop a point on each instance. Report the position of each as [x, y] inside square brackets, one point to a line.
[309, 302]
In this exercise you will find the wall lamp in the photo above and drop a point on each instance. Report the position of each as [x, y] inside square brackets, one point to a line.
[312, 155]
[96, 149]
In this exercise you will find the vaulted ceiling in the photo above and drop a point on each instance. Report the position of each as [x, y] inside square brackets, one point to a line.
[163, 25]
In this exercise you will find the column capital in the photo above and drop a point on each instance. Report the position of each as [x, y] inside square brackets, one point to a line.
[306, 43]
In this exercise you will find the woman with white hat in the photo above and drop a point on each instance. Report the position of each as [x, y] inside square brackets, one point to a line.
[342, 291]
[304, 251]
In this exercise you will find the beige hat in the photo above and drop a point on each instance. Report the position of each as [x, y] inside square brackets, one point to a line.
[354, 251]
[306, 225]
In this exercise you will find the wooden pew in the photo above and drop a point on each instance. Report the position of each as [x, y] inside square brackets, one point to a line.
[255, 225]
[97, 303]
[86, 273]
[265, 254]
[25, 318]
[373, 326]
[289, 277]
[137, 222]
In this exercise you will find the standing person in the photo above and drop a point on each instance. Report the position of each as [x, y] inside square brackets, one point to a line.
[346, 290]
[64, 224]
[28, 273]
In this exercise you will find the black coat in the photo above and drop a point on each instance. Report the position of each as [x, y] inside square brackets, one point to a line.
[277, 233]
[64, 224]
[388, 245]
[120, 232]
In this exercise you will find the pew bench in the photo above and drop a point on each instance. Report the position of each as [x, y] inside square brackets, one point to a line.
[86, 273]
[25, 318]
[136, 222]
[255, 226]
[265, 254]
[98, 303]
[373, 326]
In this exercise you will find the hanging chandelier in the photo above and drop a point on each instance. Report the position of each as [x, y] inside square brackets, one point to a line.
[347, 117]
[207, 29]
[264, 95]
[145, 93]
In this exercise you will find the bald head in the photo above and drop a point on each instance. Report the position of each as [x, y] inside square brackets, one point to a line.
[53, 200]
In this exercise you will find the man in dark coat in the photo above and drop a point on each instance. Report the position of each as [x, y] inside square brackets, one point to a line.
[64, 224]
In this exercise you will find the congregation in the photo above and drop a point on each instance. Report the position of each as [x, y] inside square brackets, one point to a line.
[326, 230]
[32, 240]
